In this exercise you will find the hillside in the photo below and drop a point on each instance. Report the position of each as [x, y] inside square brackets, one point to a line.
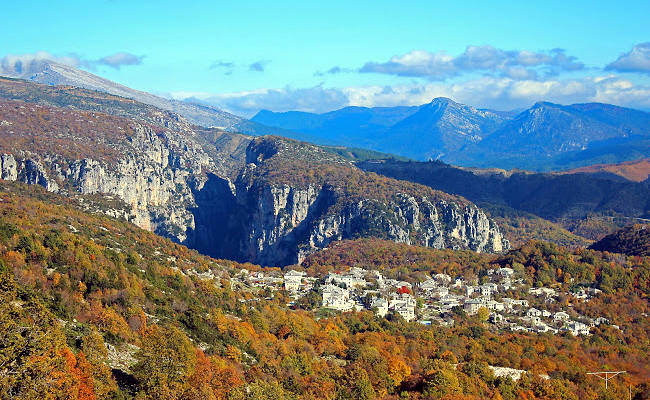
[113, 311]
[562, 198]
[55, 74]
[294, 198]
[637, 171]
[91, 290]
[152, 162]
[632, 240]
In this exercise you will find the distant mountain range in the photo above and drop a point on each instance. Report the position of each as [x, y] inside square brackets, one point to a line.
[552, 136]
[51, 73]
[358, 125]
[546, 136]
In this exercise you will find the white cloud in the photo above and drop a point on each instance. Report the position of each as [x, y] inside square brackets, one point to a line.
[635, 60]
[248, 103]
[24, 65]
[515, 64]
[119, 59]
[416, 63]
[258, 66]
[499, 93]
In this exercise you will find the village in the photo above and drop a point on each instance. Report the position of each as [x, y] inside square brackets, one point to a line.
[502, 299]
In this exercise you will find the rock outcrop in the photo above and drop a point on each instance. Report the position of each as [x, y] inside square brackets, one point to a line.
[279, 223]
[155, 177]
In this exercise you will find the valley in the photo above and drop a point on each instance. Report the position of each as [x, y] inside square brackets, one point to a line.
[157, 249]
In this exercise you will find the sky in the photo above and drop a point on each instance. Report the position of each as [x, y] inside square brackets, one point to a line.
[317, 56]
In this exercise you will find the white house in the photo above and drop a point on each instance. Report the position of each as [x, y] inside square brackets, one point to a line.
[533, 312]
[488, 289]
[561, 316]
[381, 305]
[506, 272]
[512, 303]
[542, 291]
[403, 304]
[408, 313]
[473, 305]
[337, 298]
[350, 280]
[541, 327]
[576, 328]
[428, 285]
[292, 280]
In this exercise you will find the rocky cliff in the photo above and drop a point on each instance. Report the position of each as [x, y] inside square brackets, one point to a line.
[155, 178]
[275, 219]
[288, 200]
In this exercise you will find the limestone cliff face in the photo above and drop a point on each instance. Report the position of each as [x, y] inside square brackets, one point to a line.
[280, 224]
[28, 170]
[286, 224]
[155, 177]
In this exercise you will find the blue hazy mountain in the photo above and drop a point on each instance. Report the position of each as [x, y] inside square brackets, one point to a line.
[544, 137]
[358, 125]
[420, 132]
[552, 136]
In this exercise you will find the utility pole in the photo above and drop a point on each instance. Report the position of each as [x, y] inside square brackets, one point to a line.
[606, 375]
[630, 391]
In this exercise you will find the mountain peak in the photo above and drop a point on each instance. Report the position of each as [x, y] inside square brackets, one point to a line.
[442, 100]
[544, 104]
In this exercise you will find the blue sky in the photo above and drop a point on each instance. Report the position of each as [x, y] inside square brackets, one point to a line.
[247, 55]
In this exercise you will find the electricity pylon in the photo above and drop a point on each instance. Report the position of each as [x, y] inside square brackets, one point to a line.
[606, 375]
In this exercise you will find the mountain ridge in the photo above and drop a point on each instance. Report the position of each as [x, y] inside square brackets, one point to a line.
[548, 132]
[546, 136]
[567, 199]
[52, 73]
[438, 128]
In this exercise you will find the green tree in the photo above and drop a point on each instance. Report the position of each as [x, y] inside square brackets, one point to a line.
[165, 361]
[483, 314]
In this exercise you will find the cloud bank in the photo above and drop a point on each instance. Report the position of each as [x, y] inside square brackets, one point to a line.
[501, 93]
[25, 64]
[513, 64]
